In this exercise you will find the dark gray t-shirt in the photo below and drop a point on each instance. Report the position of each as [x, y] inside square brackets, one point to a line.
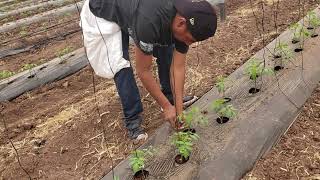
[148, 22]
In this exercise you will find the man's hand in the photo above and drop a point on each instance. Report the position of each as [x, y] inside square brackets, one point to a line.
[169, 114]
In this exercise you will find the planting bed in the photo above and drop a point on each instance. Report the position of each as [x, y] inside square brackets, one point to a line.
[56, 127]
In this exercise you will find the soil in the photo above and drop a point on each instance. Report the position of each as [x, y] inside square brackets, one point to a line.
[60, 129]
[254, 90]
[141, 175]
[179, 159]
[222, 120]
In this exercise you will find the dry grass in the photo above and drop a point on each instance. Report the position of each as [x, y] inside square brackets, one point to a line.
[50, 125]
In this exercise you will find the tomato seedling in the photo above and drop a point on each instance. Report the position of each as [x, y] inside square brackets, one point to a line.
[184, 142]
[299, 33]
[255, 69]
[137, 161]
[194, 115]
[224, 111]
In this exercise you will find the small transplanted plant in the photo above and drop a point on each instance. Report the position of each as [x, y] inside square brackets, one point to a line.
[281, 52]
[220, 85]
[27, 67]
[299, 34]
[183, 141]
[5, 74]
[190, 117]
[256, 69]
[64, 51]
[224, 111]
[313, 23]
[137, 162]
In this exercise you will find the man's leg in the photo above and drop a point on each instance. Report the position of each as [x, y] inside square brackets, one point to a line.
[164, 59]
[129, 94]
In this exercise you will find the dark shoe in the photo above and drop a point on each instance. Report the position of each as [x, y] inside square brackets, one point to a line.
[189, 100]
[137, 135]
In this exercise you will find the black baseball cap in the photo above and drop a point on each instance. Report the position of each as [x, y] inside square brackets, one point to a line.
[200, 15]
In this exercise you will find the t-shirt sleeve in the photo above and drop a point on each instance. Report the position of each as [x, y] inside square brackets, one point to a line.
[145, 35]
[181, 46]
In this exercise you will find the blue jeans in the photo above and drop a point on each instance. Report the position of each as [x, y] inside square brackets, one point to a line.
[127, 86]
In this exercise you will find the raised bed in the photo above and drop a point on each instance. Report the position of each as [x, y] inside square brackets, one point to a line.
[55, 3]
[56, 69]
[40, 17]
[21, 4]
[229, 151]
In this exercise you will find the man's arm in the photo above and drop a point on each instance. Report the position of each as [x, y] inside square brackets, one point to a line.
[143, 66]
[177, 76]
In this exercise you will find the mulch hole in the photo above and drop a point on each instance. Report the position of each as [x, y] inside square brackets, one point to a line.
[252, 78]
[31, 76]
[314, 35]
[310, 28]
[226, 99]
[295, 41]
[277, 56]
[179, 159]
[298, 49]
[142, 174]
[254, 90]
[10, 82]
[192, 130]
[222, 120]
[43, 68]
[278, 68]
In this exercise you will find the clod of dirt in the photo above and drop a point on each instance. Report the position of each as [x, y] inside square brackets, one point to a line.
[314, 35]
[278, 68]
[141, 175]
[254, 90]
[316, 138]
[179, 159]
[39, 143]
[298, 50]
[27, 126]
[66, 84]
[192, 130]
[63, 150]
[222, 120]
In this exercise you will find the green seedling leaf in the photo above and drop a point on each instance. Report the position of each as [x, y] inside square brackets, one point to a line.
[138, 157]
[27, 67]
[299, 32]
[217, 105]
[184, 142]
[64, 51]
[283, 50]
[220, 84]
[5, 74]
[255, 68]
[223, 109]
[191, 116]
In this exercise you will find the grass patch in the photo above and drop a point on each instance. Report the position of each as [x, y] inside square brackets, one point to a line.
[5, 74]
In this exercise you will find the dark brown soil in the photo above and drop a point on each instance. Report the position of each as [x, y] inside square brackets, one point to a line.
[57, 129]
